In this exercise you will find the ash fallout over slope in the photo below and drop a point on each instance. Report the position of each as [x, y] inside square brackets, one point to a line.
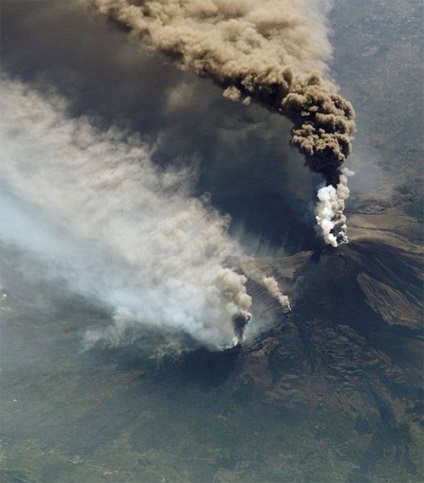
[104, 219]
[275, 53]
[98, 215]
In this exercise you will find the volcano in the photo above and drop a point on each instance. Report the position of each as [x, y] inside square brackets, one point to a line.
[353, 343]
[347, 358]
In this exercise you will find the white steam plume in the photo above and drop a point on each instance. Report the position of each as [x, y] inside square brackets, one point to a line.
[90, 208]
[329, 211]
[272, 51]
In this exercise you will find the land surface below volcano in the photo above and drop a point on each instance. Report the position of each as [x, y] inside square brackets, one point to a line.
[331, 392]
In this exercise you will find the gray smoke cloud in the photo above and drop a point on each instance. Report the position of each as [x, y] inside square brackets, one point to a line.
[89, 207]
[272, 52]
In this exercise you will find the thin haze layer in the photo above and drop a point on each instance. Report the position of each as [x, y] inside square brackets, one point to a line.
[273, 52]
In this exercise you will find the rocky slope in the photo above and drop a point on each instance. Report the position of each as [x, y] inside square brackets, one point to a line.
[352, 345]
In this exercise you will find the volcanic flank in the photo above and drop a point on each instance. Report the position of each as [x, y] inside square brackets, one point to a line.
[352, 345]
[271, 52]
[348, 357]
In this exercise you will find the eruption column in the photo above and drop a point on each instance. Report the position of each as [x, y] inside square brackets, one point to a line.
[273, 52]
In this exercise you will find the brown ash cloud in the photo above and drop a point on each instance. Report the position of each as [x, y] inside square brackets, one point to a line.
[274, 53]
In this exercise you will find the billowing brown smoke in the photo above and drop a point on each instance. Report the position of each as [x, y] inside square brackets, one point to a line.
[272, 52]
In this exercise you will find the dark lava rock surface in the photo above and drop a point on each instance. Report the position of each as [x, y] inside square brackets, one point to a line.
[353, 343]
[356, 328]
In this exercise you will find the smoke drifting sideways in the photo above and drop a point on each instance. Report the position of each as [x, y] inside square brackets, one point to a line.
[273, 52]
[90, 208]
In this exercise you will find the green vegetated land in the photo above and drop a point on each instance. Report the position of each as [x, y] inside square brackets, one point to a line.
[118, 424]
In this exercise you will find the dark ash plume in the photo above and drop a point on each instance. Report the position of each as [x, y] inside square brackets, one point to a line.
[323, 126]
[239, 323]
[272, 52]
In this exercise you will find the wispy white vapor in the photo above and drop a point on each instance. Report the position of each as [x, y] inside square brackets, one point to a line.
[251, 269]
[90, 208]
[273, 288]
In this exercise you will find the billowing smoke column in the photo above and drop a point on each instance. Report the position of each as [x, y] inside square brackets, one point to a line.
[272, 52]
